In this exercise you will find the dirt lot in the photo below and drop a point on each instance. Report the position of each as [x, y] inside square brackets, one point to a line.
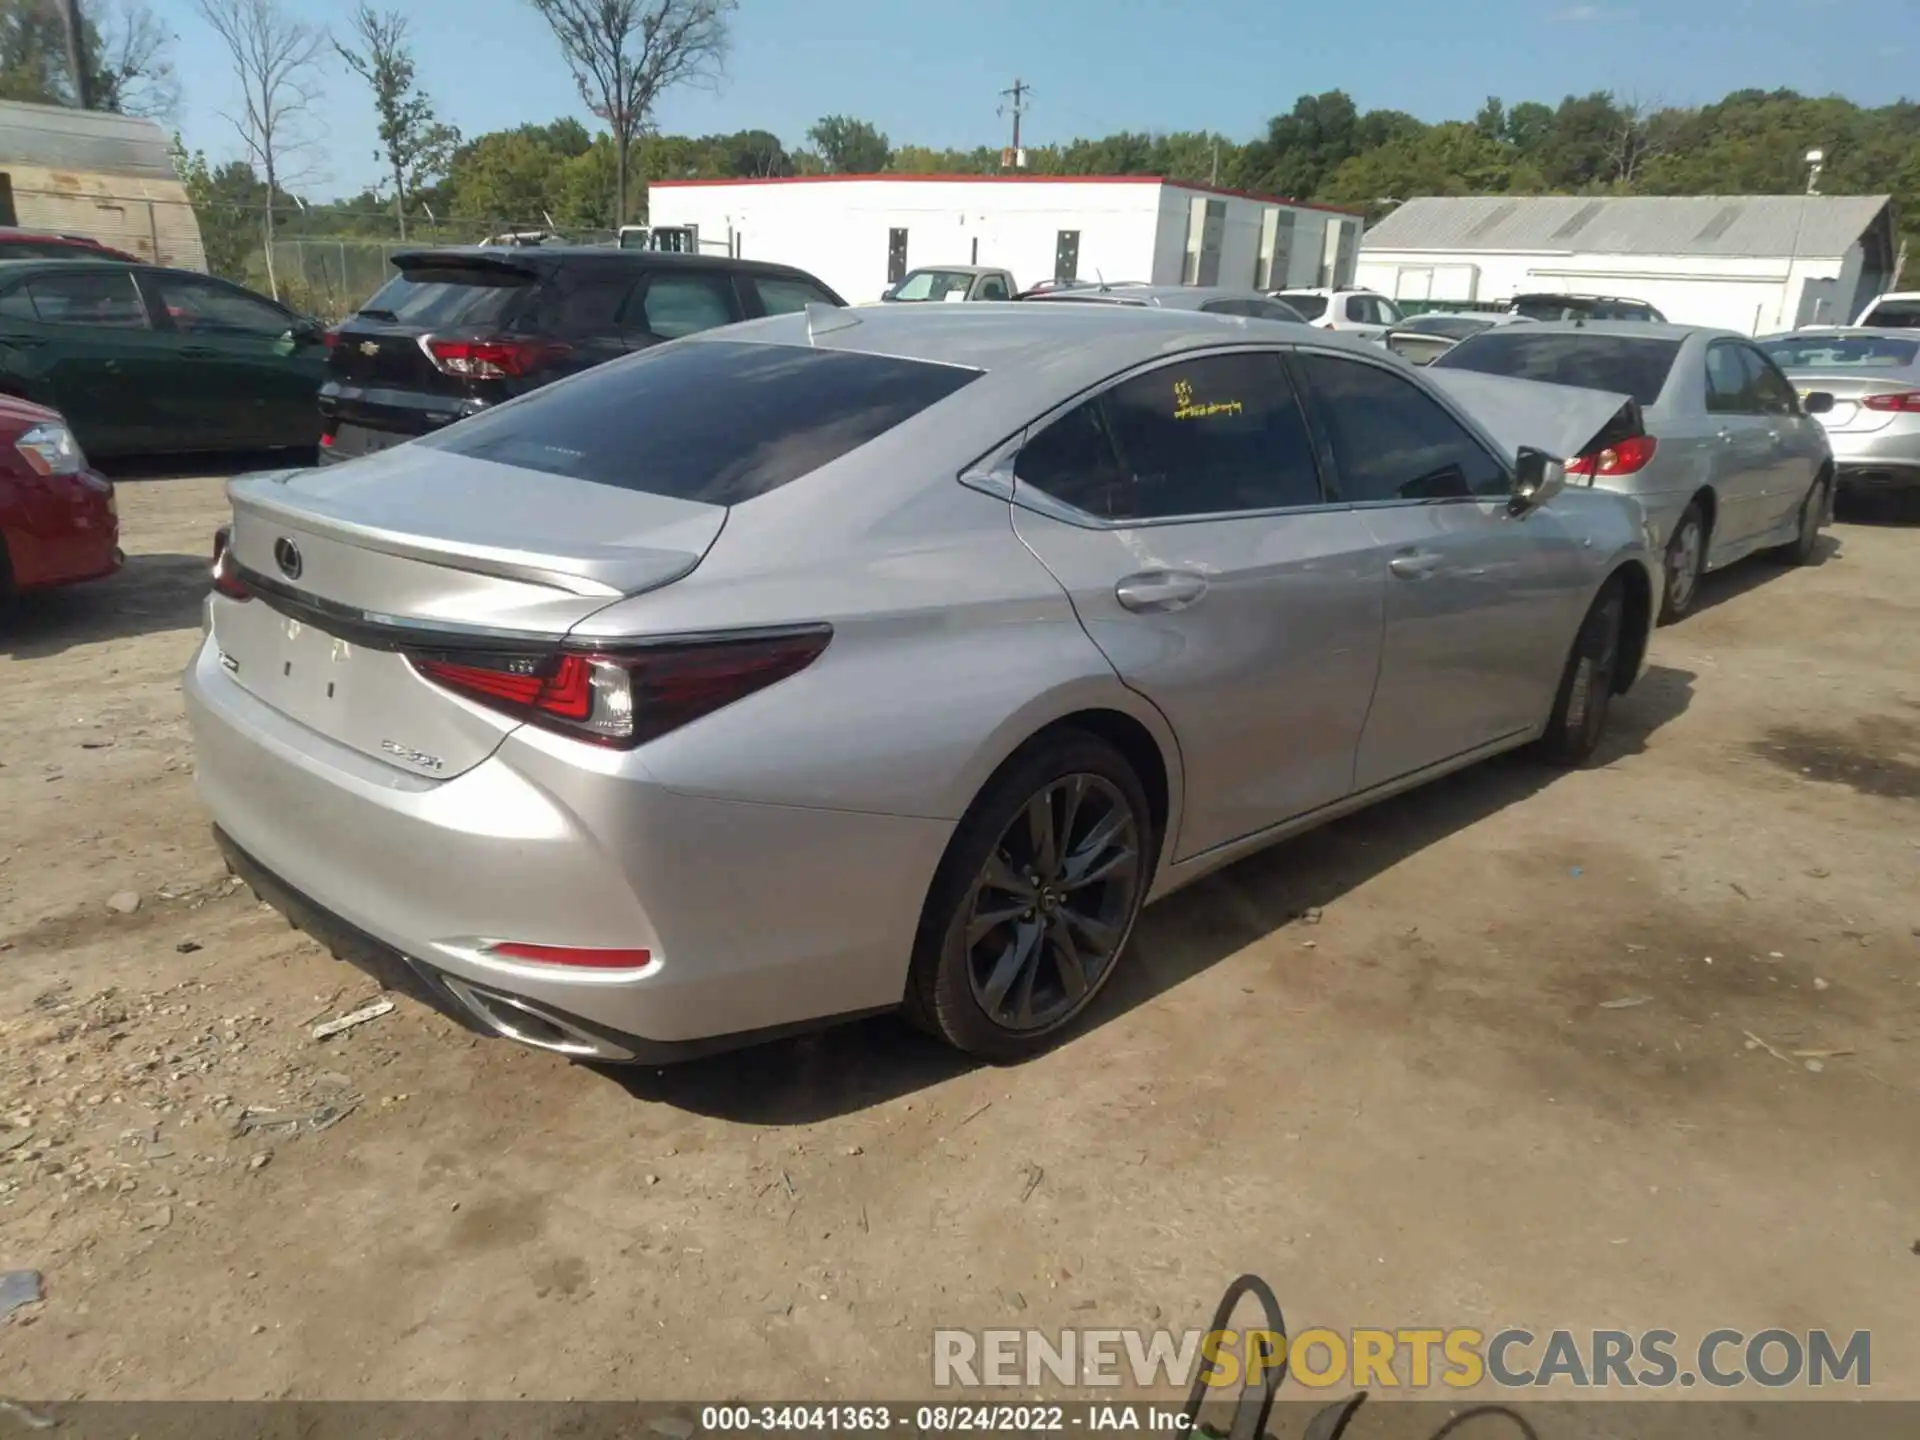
[1486, 1055]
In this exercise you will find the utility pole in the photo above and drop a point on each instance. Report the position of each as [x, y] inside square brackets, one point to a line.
[1017, 95]
[77, 55]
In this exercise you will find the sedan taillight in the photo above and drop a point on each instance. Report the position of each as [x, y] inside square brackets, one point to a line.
[226, 578]
[1627, 458]
[1906, 402]
[623, 699]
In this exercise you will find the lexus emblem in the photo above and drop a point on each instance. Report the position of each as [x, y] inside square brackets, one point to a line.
[369, 347]
[286, 555]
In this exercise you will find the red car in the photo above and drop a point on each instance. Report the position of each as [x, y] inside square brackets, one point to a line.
[31, 245]
[58, 520]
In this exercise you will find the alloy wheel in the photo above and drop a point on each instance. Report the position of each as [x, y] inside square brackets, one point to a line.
[1051, 907]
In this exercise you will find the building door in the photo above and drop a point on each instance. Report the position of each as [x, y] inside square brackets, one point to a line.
[896, 256]
[1066, 255]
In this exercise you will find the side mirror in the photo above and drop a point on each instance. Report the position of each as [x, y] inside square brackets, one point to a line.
[1537, 478]
[305, 331]
[892, 292]
[1820, 402]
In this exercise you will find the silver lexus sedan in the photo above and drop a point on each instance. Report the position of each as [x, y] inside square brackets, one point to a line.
[892, 658]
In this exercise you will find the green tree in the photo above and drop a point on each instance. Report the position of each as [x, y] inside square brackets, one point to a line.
[415, 146]
[850, 147]
[126, 50]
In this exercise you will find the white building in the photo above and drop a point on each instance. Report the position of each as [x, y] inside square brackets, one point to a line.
[1752, 263]
[860, 233]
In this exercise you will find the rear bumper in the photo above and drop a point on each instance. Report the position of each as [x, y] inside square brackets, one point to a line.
[1884, 459]
[80, 541]
[760, 918]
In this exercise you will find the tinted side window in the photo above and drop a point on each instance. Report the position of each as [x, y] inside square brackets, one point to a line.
[102, 301]
[17, 304]
[1392, 441]
[1360, 309]
[1768, 386]
[781, 295]
[1205, 437]
[994, 288]
[1729, 384]
[676, 305]
[579, 300]
[200, 307]
[715, 421]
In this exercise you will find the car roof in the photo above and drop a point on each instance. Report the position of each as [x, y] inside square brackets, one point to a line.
[991, 335]
[1632, 329]
[962, 269]
[553, 256]
[1172, 297]
[1327, 290]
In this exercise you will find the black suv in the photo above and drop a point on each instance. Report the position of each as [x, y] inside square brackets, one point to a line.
[1584, 307]
[458, 330]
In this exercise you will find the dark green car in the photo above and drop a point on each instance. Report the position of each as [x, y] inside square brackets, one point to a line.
[143, 360]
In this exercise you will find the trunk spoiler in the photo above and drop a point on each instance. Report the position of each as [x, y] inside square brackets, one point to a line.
[1561, 420]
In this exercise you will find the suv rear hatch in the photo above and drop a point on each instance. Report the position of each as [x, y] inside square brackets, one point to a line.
[442, 338]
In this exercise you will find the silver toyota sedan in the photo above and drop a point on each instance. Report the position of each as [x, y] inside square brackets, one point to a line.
[1725, 457]
[883, 659]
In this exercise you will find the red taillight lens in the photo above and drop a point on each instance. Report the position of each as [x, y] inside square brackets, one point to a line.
[330, 339]
[625, 700]
[577, 955]
[226, 580]
[1907, 402]
[491, 359]
[1625, 458]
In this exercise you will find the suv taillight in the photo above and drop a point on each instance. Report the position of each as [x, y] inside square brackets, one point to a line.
[1627, 458]
[493, 359]
[624, 700]
[226, 579]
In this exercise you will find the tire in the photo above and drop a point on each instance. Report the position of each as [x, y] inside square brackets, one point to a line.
[1683, 564]
[1813, 514]
[1003, 962]
[1585, 696]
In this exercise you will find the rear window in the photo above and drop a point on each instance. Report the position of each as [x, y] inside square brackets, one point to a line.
[1624, 365]
[934, 285]
[1894, 315]
[450, 295]
[1311, 307]
[1842, 352]
[719, 422]
[1454, 327]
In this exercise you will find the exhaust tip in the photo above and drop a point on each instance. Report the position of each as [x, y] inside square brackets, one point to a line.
[525, 1023]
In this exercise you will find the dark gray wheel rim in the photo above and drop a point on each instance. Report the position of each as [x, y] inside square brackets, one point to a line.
[1049, 910]
[1683, 563]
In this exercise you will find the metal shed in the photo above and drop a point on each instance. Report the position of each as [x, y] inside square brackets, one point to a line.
[1747, 262]
[108, 177]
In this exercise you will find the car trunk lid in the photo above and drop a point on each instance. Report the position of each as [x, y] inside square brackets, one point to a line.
[417, 549]
[1849, 413]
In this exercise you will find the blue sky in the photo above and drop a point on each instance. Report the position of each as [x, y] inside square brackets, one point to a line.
[930, 72]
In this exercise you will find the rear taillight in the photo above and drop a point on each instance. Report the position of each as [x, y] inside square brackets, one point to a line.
[623, 700]
[1907, 402]
[226, 578]
[499, 359]
[1625, 458]
[330, 339]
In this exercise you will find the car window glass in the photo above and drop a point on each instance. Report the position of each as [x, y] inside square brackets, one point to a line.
[676, 305]
[1728, 382]
[1204, 437]
[1358, 309]
[582, 301]
[1768, 386]
[654, 422]
[1392, 441]
[17, 304]
[1624, 364]
[469, 295]
[1272, 310]
[199, 307]
[782, 295]
[1389, 312]
[994, 288]
[1311, 307]
[104, 301]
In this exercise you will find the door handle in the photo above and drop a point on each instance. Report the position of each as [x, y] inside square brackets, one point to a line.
[1414, 564]
[24, 342]
[199, 352]
[1157, 591]
[1726, 435]
[1774, 436]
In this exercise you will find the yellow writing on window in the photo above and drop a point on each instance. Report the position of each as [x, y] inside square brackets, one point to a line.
[1185, 407]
